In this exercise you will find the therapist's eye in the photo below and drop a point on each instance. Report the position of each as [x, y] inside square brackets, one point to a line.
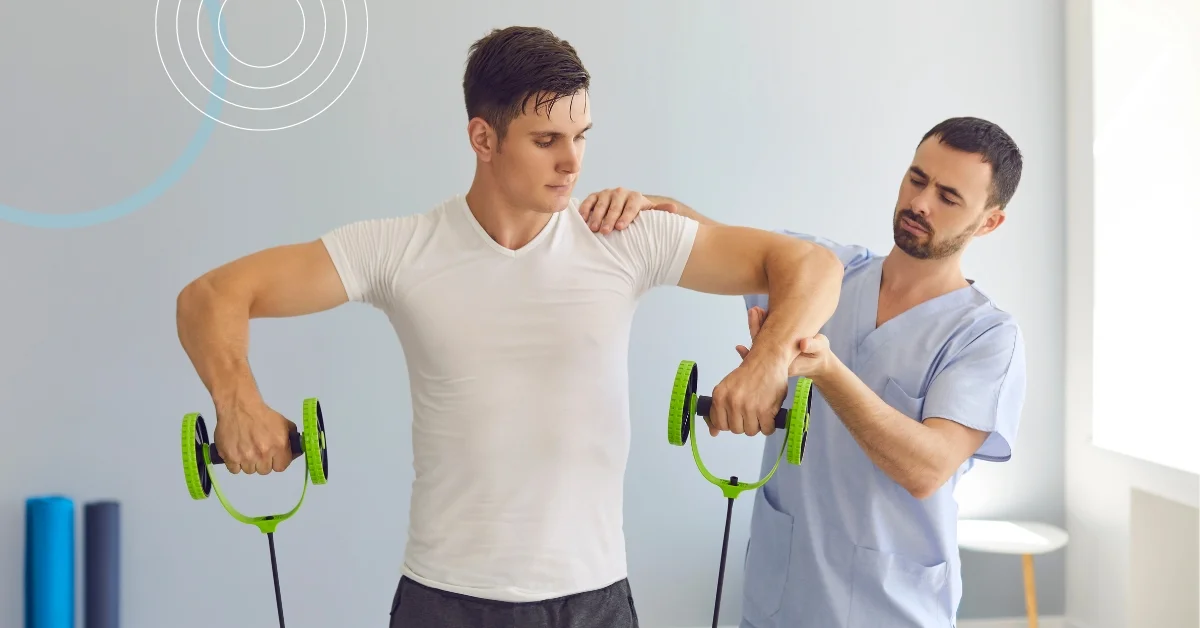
[915, 181]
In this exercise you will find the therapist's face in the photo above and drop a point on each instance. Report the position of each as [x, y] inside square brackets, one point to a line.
[943, 202]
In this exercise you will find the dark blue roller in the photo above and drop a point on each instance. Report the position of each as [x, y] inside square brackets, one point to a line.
[102, 564]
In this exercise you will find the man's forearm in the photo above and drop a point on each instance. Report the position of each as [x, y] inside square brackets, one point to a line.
[214, 332]
[684, 210]
[804, 284]
[908, 451]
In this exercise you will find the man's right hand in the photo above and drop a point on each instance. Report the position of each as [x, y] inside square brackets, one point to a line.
[253, 438]
[213, 316]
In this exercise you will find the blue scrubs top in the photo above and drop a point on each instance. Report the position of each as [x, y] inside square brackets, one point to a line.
[835, 543]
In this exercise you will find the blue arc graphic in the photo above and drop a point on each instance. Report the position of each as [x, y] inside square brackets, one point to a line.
[173, 173]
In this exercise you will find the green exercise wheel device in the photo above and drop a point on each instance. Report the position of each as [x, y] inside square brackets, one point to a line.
[687, 406]
[200, 455]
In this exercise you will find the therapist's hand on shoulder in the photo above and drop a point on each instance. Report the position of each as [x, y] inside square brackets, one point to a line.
[814, 359]
[616, 208]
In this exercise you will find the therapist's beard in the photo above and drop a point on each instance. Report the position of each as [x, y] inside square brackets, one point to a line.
[925, 246]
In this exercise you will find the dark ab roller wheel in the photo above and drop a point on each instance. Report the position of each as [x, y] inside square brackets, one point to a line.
[200, 455]
[687, 406]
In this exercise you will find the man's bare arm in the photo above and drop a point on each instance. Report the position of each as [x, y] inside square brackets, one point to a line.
[803, 281]
[213, 312]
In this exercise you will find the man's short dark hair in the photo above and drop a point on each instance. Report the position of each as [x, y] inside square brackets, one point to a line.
[509, 66]
[987, 139]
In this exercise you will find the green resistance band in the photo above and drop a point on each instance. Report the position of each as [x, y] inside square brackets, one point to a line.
[199, 456]
[687, 405]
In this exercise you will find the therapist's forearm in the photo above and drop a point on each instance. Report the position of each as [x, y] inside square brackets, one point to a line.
[683, 209]
[909, 452]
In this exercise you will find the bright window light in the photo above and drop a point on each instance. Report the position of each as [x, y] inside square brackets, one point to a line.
[1146, 351]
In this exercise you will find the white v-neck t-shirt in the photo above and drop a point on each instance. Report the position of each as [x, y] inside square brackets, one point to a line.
[518, 371]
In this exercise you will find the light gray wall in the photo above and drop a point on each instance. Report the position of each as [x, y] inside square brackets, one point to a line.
[783, 114]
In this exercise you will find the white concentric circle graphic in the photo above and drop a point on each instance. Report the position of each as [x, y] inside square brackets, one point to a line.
[221, 35]
[324, 35]
[308, 81]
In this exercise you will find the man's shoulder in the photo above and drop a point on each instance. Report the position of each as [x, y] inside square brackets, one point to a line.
[397, 223]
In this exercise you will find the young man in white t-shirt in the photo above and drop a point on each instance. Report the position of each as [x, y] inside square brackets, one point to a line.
[514, 319]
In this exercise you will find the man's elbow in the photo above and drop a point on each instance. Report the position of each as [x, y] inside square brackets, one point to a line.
[193, 295]
[827, 264]
[207, 292]
[817, 261]
[820, 270]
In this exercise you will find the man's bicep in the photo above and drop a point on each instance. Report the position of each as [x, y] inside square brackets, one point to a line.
[277, 282]
[983, 388]
[727, 260]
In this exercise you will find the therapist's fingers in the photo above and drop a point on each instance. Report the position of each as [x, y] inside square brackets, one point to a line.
[588, 205]
[619, 206]
[597, 208]
[816, 344]
[755, 317]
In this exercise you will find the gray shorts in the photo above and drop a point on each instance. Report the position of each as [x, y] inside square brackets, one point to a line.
[418, 606]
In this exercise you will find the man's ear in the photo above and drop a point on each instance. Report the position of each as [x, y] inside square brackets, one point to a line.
[483, 138]
[993, 221]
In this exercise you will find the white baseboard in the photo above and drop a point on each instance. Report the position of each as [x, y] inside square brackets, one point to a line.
[1008, 622]
[1013, 622]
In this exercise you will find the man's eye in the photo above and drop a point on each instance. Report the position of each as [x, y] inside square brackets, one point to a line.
[545, 144]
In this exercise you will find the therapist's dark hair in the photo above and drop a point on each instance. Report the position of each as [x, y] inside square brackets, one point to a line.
[987, 139]
[509, 66]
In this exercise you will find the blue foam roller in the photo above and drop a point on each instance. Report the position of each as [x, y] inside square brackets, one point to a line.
[101, 564]
[49, 562]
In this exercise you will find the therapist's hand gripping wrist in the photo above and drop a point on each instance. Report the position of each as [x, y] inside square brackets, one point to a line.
[747, 400]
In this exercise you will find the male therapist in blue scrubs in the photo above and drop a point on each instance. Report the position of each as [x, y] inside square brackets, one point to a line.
[918, 374]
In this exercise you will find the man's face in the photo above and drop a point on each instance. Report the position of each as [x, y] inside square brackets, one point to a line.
[542, 154]
[943, 202]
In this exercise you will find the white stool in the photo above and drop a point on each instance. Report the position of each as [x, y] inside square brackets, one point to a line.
[1024, 538]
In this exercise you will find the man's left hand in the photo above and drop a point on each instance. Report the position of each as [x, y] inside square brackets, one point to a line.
[616, 208]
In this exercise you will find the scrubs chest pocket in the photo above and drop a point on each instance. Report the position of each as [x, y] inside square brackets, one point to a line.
[894, 396]
[767, 559]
